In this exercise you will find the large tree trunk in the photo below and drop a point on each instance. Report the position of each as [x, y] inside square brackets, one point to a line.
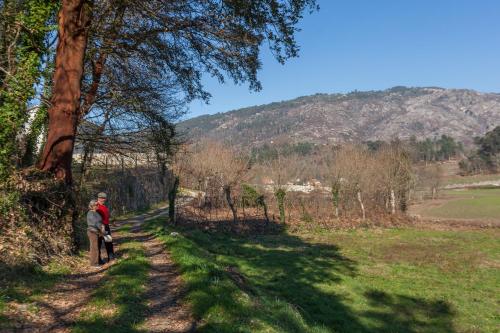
[74, 20]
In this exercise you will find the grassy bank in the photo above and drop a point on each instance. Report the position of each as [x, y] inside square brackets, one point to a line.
[397, 280]
[475, 204]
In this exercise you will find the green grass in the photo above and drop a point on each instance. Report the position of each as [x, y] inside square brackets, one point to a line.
[456, 179]
[146, 210]
[118, 305]
[25, 285]
[391, 280]
[468, 204]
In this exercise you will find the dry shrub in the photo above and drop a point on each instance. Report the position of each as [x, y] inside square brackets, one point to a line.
[37, 218]
[220, 220]
[215, 170]
[358, 187]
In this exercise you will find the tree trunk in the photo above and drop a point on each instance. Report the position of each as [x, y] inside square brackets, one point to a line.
[227, 191]
[264, 205]
[336, 198]
[172, 195]
[403, 201]
[83, 167]
[97, 70]
[361, 205]
[280, 198]
[74, 20]
[393, 202]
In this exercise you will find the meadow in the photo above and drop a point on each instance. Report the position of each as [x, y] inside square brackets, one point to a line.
[471, 204]
[299, 278]
[366, 280]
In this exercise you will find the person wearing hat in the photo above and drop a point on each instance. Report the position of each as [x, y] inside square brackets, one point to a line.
[95, 229]
[104, 212]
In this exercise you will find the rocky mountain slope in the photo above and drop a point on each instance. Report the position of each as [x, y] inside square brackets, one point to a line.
[357, 116]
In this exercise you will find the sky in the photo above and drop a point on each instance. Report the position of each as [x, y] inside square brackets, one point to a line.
[373, 45]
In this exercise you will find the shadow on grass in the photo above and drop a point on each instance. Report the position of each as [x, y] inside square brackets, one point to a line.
[400, 313]
[118, 304]
[23, 284]
[276, 283]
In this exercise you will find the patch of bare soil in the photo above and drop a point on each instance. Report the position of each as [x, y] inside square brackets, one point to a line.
[61, 307]
[165, 291]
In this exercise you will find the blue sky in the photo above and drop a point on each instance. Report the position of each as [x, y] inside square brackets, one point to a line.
[372, 45]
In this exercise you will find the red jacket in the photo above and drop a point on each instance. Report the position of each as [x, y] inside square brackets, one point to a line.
[104, 212]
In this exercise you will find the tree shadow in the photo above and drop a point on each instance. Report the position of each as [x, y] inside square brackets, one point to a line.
[120, 290]
[23, 286]
[402, 313]
[284, 274]
[126, 288]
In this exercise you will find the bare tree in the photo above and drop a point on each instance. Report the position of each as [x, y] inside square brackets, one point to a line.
[218, 170]
[395, 172]
[353, 170]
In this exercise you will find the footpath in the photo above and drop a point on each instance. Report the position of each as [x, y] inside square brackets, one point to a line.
[141, 291]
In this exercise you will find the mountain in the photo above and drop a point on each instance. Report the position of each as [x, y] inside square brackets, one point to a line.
[358, 116]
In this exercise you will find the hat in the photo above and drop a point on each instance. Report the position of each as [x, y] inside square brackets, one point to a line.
[102, 195]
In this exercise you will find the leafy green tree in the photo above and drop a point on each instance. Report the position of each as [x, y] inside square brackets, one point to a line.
[280, 195]
[448, 148]
[489, 147]
[24, 40]
[374, 145]
[179, 41]
[487, 156]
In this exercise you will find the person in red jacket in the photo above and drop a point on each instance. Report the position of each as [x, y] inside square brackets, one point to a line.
[104, 212]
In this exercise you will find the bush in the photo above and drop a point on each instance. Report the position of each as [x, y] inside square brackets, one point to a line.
[249, 196]
[37, 218]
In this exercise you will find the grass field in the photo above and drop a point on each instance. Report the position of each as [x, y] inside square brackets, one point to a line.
[366, 280]
[471, 204]
[390, 280]
[456, 179]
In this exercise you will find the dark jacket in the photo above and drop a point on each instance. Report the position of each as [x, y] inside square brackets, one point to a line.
[94, 221]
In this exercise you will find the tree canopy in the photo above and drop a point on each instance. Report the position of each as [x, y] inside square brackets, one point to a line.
[141, 62]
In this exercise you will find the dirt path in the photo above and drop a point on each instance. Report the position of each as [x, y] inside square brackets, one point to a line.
[165, 312]
[62, 306]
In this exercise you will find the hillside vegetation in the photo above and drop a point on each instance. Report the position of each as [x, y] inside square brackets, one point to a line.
[357, 116]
